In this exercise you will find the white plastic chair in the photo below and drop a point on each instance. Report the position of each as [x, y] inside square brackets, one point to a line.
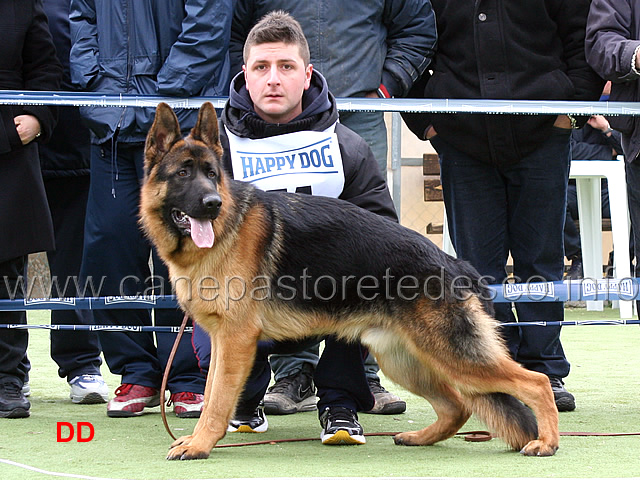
[588, 174]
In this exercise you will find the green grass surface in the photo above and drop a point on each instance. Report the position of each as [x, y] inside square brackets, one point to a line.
[604, 378]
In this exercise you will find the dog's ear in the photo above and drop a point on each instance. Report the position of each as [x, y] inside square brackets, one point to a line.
[164, 132]
[206, 128]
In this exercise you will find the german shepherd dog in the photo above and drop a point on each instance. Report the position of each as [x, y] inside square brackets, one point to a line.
[249, 265]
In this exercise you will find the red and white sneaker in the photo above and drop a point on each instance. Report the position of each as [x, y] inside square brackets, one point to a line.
[130, 400]
[187, 404]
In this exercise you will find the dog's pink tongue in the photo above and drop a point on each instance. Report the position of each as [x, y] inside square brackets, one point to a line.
[201, 232]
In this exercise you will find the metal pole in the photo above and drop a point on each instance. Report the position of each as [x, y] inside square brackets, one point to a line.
[396, 160]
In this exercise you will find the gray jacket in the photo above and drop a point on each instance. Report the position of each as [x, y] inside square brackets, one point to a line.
[613, 35]
[357, 44]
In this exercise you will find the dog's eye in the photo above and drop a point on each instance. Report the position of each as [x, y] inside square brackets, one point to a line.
[183, 172]
[211, 174]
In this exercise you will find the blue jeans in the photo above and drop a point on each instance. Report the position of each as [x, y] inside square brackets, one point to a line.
[519, 209]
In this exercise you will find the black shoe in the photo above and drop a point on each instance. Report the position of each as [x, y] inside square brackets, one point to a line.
[255, 422]
[387, 403]
[564, 400]
[575, 270]
[13, 403]
[292, 394]
[340, 427]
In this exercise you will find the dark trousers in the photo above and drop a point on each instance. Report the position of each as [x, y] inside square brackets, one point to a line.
[75, 352]
[116, 259]
[519, 209]
[633, 193]
[13, 343]
[339, 376]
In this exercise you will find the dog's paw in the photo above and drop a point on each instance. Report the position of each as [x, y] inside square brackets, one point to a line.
[408, 439]
[184, 440]
[186, 452]
[537, 448]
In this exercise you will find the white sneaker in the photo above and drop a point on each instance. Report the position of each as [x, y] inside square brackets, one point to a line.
[26, 389]
[88, 389]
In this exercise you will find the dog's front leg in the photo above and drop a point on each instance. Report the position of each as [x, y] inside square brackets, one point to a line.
[185, 439]
[234, 356]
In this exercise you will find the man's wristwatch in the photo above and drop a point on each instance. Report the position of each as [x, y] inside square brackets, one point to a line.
[572, 119]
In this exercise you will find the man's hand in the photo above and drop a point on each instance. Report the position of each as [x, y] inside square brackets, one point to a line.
[28, 128]
[599, 123]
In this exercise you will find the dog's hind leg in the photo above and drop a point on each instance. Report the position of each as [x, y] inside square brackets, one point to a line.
[510, 418]
[403, 368]
[452, 415]
[490, 384]
[235, 349]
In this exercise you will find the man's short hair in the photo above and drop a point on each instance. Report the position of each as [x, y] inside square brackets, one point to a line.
[277, 26]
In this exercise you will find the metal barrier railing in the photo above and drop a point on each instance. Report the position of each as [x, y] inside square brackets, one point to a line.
[608, 289]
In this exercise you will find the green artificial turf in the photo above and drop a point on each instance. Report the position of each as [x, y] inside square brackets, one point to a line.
[604, 378]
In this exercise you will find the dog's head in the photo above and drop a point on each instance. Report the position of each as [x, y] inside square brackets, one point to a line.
[183, 177]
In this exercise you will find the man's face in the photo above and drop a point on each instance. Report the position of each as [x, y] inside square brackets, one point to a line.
[276, 78]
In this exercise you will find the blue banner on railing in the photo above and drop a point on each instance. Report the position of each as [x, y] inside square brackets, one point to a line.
[586, 289]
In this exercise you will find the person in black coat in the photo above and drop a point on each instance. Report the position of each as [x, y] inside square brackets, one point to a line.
[28, 62]
[504, 177]
[613, 50]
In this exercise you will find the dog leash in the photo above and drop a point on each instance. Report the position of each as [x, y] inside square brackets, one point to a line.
[470, 436]
[375, 434]
[165, 377]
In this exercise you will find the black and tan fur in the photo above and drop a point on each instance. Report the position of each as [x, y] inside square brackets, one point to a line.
[443, 347]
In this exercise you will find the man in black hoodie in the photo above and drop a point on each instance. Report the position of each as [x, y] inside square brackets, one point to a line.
[279, 110]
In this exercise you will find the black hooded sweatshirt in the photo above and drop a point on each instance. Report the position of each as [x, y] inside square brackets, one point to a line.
[363, 183]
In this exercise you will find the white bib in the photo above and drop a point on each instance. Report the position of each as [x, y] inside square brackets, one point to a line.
[304, 162]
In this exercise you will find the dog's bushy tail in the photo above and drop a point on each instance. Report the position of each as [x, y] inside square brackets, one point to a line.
[461, 277]
[506, 417]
